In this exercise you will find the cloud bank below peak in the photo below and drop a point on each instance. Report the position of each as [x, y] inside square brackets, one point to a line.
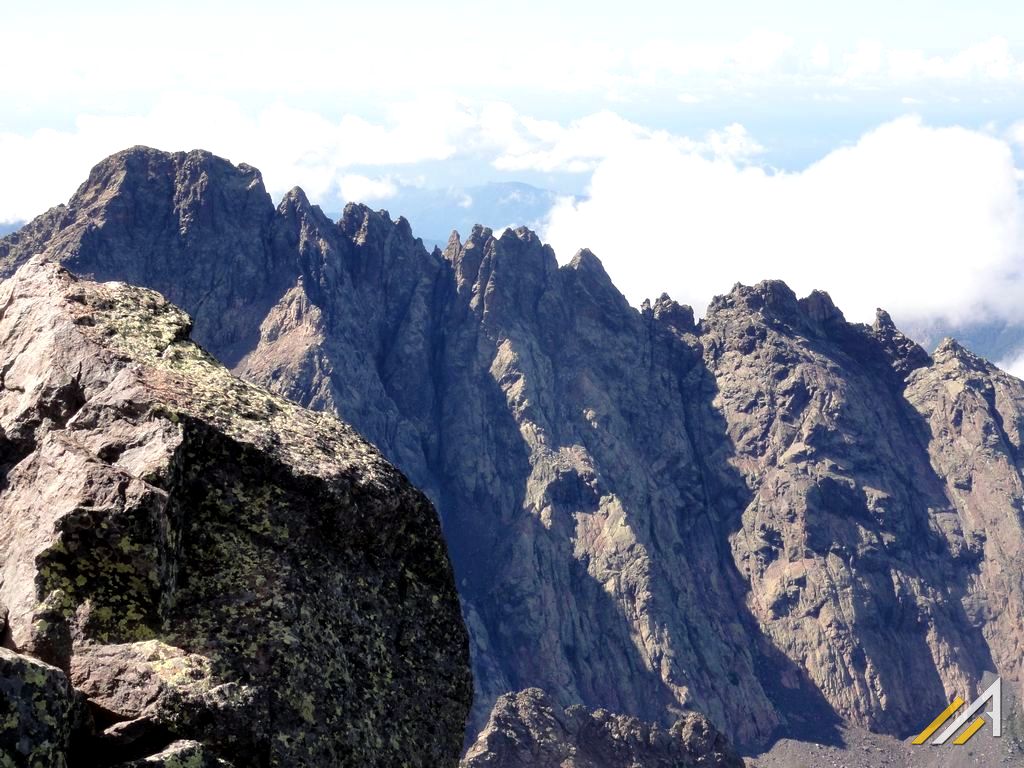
[927, 222]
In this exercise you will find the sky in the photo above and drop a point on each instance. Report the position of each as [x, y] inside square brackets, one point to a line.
[874, 151]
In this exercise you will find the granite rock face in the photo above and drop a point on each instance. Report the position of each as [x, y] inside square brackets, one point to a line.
[214, 575]
[772, 516]
[974, 413]
[528, 729]
[38, 710]
[841, 544]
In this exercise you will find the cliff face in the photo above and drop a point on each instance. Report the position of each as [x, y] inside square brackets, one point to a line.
[193, 567]
[857, 566]
[773, 516]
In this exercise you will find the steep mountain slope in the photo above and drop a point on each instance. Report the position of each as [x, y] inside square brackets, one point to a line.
[202, 560]
[773, 516]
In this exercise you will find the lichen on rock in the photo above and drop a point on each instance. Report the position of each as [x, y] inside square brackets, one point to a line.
[37, 710]
[206, 560]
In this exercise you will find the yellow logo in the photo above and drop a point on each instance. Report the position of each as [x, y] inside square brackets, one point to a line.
[993, 694]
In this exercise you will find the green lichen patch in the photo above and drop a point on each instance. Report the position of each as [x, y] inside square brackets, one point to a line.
[36, 709]
[235, 570]
[141, 326]
[286, 594]
[116, 560]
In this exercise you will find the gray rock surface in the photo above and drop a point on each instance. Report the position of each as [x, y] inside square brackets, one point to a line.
[528, 729]
[773, 516]
[204, 560]
[848, 571]
[38, 711]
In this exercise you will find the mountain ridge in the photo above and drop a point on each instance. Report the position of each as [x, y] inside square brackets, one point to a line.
[770, 515]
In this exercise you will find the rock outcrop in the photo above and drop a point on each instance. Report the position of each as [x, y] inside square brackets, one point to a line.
[528, 729]
[38, 712]
[772, 516]
[201, 571]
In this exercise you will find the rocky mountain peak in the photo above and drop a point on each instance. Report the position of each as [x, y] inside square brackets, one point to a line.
[883, 321]
[190, 224]
[522, 234]
[951, 349]
[363, 225]
[479, 236]
[588, 282]
[585, 261]
[507, 273]
[768, 301]
[904, 354]
[590, 269]
[467, 257]
[296, 197]
[404, 228]
[190, 172]
[821, 309]
[774, 295]
[955, 361]
[453, 246]
[306, 219]
[677, 316]
[530, 253]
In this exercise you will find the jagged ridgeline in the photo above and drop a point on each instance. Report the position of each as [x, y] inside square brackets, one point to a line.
[777, 518]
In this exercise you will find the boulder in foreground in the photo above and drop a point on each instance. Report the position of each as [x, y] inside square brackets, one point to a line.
[215, 570]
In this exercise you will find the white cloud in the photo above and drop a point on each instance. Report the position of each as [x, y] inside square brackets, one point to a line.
[821, 57]
[761, 51]
[833, 98]
[926, 222]
[575, 148]
[988, 60]
[96, 54]
[290, 146]
[91, 58]
[357, 188]
[734, 143]
[1016, 133]
[1013, 365]
[581, 145]
[865, 60]
[757, 53]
